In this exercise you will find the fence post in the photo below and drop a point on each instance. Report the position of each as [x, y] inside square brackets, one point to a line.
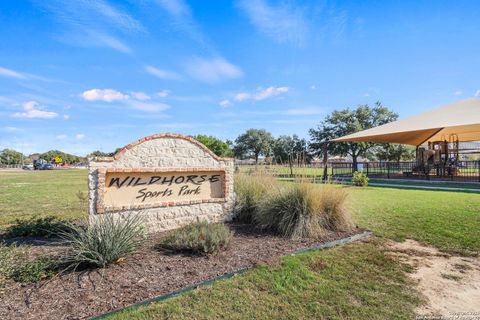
[388, 169]
[478, 163]
[366, 164]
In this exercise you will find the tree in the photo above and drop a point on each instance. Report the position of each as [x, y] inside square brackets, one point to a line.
[98, 153]
[254, 142]
[10, 156]
[66, 157]
[393, 152]
[290, 149]
[347, 121]
[217, 146]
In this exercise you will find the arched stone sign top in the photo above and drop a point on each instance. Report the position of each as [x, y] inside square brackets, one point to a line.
[170, 179]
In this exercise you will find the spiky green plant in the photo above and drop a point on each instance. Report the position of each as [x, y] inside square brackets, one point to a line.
[104, 240]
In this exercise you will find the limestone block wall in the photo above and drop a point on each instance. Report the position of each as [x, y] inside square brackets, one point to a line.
[158, 153]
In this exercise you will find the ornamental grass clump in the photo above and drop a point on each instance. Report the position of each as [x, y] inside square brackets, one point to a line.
[250, 190]
[302, 210]
[105, 240]
[198, 238]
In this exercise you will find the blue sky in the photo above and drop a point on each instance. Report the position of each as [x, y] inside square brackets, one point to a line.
[84, 75]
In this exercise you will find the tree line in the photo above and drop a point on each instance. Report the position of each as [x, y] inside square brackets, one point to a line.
[288, 149]
[13, 157]
[285, 149]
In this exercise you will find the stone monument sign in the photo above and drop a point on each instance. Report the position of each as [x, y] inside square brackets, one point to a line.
[170, 179]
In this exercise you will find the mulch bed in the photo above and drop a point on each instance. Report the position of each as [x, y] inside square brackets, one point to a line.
[147, 273]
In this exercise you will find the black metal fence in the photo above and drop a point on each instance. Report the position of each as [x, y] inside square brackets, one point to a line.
[468, 171]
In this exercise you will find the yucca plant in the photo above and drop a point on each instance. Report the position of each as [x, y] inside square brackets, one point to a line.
[103, 241]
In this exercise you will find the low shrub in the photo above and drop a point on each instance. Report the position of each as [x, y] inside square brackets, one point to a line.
[15, 264]
[33, 271]
[103, 241]
[198, 238]
[304, 210]
[359, 179]
[250, 190]
[37, 227]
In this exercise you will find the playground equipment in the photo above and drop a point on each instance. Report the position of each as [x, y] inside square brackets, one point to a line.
[447, 140]
[441, 156]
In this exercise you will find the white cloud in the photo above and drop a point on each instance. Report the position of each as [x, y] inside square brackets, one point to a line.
[225, 103]
[33, 110]
[212, 70]
[477, 94]
[142, 96]
[106, 40]
[366, 94]
[283, 23]
[182, 19]
[458, 93]
[79, 136]
[162, 74]
[313, 87]
[61, 137]
[150, 107]
[11, 129]
[91, 23]
[107, 95]
[261, 94]
[5, 72]
[175, 7]
[163, 93]
[66, 116]
[11, 73]
[136, 100]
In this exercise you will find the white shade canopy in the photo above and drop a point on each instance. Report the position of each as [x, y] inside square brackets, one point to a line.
[461, 118]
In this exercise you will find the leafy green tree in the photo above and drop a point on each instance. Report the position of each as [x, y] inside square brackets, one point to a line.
[66, 157]
[10, 156]
[347, 121]
[98, 153]
[291, 149]
[217, 146]
[393, 152]
[253, 143]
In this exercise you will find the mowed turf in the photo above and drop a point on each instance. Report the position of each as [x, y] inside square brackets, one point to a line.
[449, 221]
[356, 281]
[24, 194]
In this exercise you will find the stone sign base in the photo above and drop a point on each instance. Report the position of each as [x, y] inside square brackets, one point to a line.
[169, 179]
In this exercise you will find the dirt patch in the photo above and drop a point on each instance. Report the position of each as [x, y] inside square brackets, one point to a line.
[148, 273]
[450, 283]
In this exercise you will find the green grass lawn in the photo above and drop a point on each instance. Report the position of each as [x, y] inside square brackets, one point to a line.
[24, 194]
[356, 281]
[449, 221]
[278, 169]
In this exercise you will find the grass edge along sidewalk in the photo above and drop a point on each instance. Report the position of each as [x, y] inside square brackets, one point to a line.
[176, 293]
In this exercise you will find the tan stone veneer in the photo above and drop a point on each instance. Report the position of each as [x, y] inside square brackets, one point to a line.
[163, 154]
